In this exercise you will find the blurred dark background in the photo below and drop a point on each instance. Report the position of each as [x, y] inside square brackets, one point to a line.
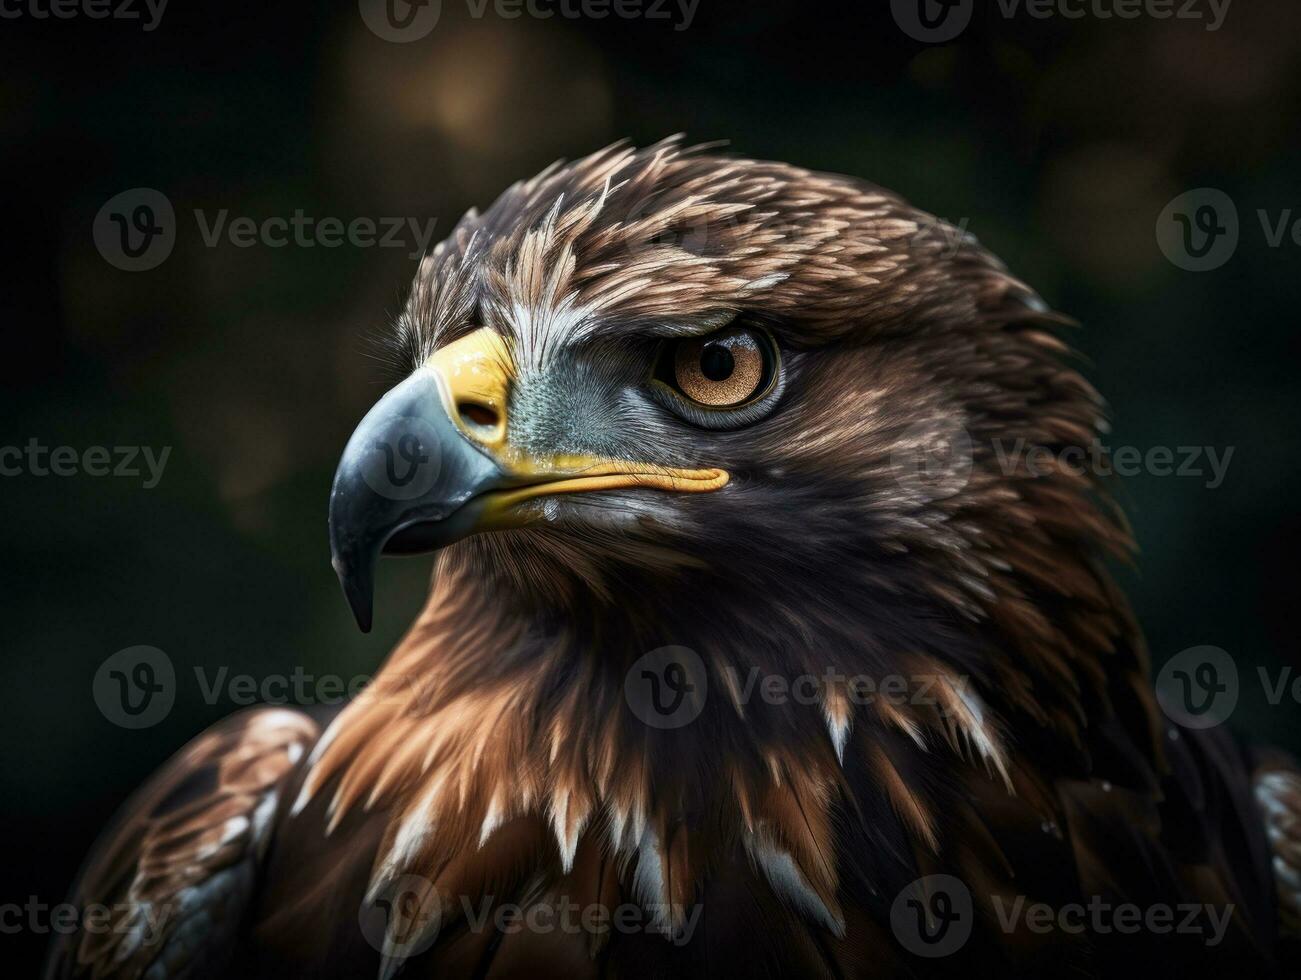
[1058, 142]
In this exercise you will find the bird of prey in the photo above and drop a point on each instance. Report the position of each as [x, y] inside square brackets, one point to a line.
[750, 648]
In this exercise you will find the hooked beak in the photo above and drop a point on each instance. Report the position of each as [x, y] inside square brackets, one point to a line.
[430, 464]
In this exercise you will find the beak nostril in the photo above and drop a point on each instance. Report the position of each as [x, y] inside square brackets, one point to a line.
[480, 415]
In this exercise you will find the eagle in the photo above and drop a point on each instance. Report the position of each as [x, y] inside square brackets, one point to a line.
[749, 650]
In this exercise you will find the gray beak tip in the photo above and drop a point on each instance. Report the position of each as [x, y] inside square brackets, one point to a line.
[358, 589]
[405, 485]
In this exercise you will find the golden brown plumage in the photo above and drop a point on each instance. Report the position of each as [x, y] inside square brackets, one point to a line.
[176, 868]
[498, 758]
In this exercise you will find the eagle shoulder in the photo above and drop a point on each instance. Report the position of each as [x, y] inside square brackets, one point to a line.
[163, 891]
[1277, 785]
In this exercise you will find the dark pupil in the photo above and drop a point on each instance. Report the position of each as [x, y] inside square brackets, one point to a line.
[716, 362]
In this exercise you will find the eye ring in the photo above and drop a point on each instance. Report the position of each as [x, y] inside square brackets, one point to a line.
[723, 380]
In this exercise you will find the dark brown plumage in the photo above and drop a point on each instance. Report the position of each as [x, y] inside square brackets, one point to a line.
[497, 759]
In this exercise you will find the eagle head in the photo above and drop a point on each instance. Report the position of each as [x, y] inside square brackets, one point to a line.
[697, 386]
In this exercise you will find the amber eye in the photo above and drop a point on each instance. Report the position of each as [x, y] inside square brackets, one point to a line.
[723, 370]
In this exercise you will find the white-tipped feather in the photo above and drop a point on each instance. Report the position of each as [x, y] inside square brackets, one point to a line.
[789, 884]
[835, 708]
